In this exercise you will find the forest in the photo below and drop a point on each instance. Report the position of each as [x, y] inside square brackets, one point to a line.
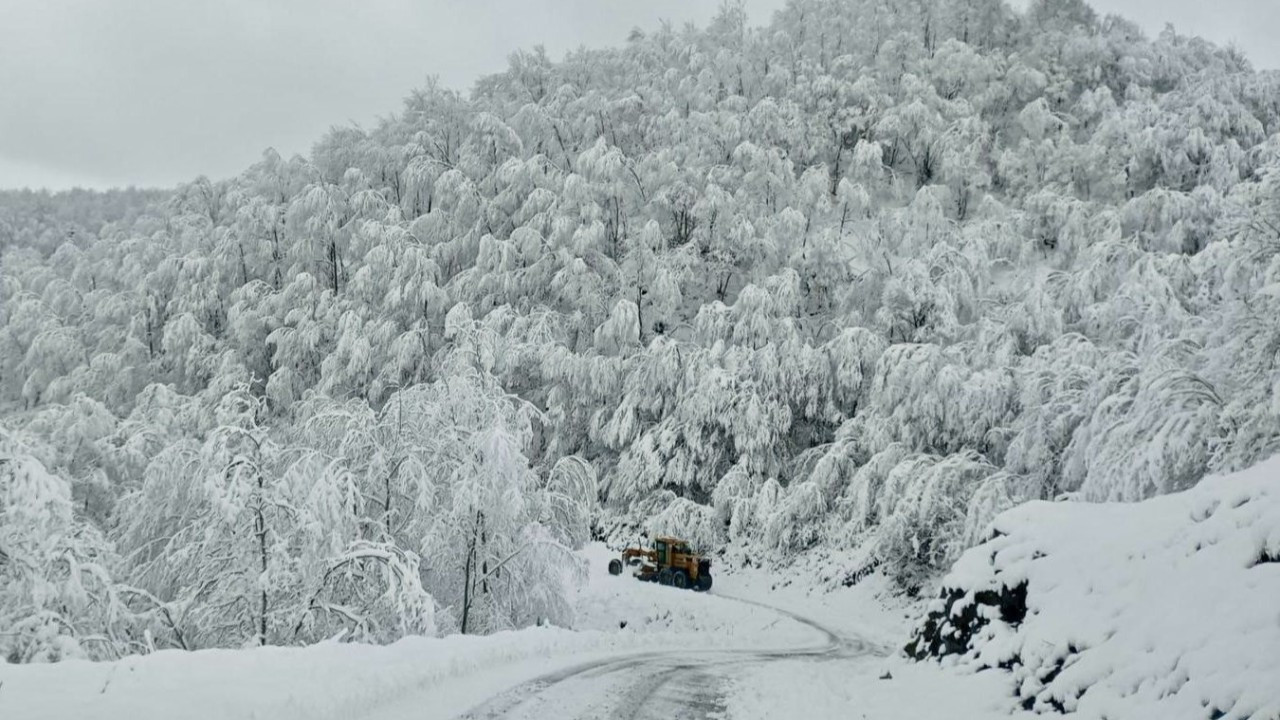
[861, 277]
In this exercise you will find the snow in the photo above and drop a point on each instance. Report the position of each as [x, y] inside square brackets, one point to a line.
[1166, 608]
[857, 688]
[658, 615]
[871, 619]
[871, 611]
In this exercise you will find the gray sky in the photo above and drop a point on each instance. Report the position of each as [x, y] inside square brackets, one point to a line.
[154, 92]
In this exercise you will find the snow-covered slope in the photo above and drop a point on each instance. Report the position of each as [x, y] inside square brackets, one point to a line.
[1167, 608]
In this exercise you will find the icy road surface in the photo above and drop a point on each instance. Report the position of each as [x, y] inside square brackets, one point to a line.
[688, 683]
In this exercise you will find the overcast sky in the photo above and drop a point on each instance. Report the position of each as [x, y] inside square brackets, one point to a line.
[154, 92]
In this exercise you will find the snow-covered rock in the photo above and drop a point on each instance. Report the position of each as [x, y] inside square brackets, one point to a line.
[1166, 608]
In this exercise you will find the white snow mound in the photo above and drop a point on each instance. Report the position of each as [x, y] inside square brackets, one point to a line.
[1166, 608]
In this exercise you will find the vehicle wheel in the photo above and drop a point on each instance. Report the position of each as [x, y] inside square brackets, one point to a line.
[664, 576]
[704, 583]
[680, 579]
[615, 567]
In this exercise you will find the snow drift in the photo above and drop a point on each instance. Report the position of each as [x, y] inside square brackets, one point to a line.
[1166, 608]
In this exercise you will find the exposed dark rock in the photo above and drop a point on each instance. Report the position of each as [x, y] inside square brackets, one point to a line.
[951, 630]
[856, 576]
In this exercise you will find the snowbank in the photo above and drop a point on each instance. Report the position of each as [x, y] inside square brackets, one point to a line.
[1167, 608]
[321, 681]
[333, 680]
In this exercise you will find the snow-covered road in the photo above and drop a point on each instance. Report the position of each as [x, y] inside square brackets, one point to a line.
[690, 683]
[662, 685]
[758, 647]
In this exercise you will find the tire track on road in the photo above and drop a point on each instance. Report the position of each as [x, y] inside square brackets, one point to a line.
[649, 685]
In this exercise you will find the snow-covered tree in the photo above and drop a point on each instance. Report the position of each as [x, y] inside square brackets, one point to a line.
[57, 597]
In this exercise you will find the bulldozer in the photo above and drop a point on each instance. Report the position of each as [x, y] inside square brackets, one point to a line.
[669, 562]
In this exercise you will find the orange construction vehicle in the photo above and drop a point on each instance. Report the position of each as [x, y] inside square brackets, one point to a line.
[669, 562]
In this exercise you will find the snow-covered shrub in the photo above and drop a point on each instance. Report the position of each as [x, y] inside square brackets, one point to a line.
[734, 502]
[796, 523]
[923, 514]
[685, 519]
[370, 592]
[572, 499]
[1151, 436]
[995, 494]
[57, 597]
[860, 506]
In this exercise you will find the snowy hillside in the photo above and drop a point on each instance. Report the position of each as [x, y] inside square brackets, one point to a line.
[1168, 608]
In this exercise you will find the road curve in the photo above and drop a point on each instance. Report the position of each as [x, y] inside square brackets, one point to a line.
[686, 684]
